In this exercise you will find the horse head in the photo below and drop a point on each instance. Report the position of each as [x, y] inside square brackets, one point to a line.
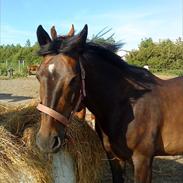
[60, 83]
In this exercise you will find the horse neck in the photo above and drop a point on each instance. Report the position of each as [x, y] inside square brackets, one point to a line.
[103, 82]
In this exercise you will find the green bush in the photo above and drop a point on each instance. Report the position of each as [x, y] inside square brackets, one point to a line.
[178, 72]
[3, 71]
[10, 55]
[162, 56]
[18, 75]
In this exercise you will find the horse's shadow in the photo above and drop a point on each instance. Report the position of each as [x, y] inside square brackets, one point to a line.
[11, 98]
[165, 170]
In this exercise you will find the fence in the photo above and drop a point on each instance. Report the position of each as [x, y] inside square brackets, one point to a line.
[17, 69]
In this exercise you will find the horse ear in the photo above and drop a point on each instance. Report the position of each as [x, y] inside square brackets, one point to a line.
[42, 36]
[82, 36]
[53, 33]
[76, 42]
[71, 32]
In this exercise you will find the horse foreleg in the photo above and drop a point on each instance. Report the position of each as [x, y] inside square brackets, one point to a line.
[117, 166]
[142, 168]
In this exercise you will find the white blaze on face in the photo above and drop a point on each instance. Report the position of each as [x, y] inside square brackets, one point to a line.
[51, 68]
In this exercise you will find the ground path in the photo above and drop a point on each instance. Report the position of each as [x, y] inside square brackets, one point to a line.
[18, 91]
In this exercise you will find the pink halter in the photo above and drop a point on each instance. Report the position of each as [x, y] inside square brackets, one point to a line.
[59, 117]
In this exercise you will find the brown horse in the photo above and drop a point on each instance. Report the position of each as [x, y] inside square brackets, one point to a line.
[52, 47]
[32, 69]
[138, 115]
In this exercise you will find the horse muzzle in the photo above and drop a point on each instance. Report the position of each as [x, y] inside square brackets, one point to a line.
[50, 144]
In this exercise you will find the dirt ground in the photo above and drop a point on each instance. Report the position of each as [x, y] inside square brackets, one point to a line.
[19, 91]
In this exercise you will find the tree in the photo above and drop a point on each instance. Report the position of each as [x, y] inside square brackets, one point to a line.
[164, 55]
[11, 54]
[28, 43]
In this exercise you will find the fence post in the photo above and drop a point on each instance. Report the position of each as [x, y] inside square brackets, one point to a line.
[63, 168]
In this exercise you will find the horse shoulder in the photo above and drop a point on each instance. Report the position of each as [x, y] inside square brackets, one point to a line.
[142, 131]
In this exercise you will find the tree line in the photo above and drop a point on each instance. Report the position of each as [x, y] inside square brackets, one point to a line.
[161, 56]
[18, 57]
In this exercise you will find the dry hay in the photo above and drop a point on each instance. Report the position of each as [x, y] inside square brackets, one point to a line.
[18, 163]
[17, 119]
[19, 155]
[87, 152]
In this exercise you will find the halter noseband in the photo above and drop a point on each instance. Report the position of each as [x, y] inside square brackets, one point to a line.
[56, 115]
[59, 117]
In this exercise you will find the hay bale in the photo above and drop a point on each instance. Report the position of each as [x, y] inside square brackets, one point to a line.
[17, 118]
[84, 146]
[18, 163]
[87, 152]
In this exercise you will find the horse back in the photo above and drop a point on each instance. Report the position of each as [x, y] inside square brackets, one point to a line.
[171, 129]
[157, 127]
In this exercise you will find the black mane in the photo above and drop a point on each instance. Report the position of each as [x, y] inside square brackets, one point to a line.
[55, 46]
[50, 48]
[106, 51]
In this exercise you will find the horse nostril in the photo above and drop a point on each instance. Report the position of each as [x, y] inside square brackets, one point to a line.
[56, 143]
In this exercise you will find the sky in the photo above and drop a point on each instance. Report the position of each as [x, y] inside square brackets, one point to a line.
[131, 21]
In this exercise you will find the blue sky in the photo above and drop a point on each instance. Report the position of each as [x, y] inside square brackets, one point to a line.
[130, 20]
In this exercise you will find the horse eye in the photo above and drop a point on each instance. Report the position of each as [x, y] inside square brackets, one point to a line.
[73, 81]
